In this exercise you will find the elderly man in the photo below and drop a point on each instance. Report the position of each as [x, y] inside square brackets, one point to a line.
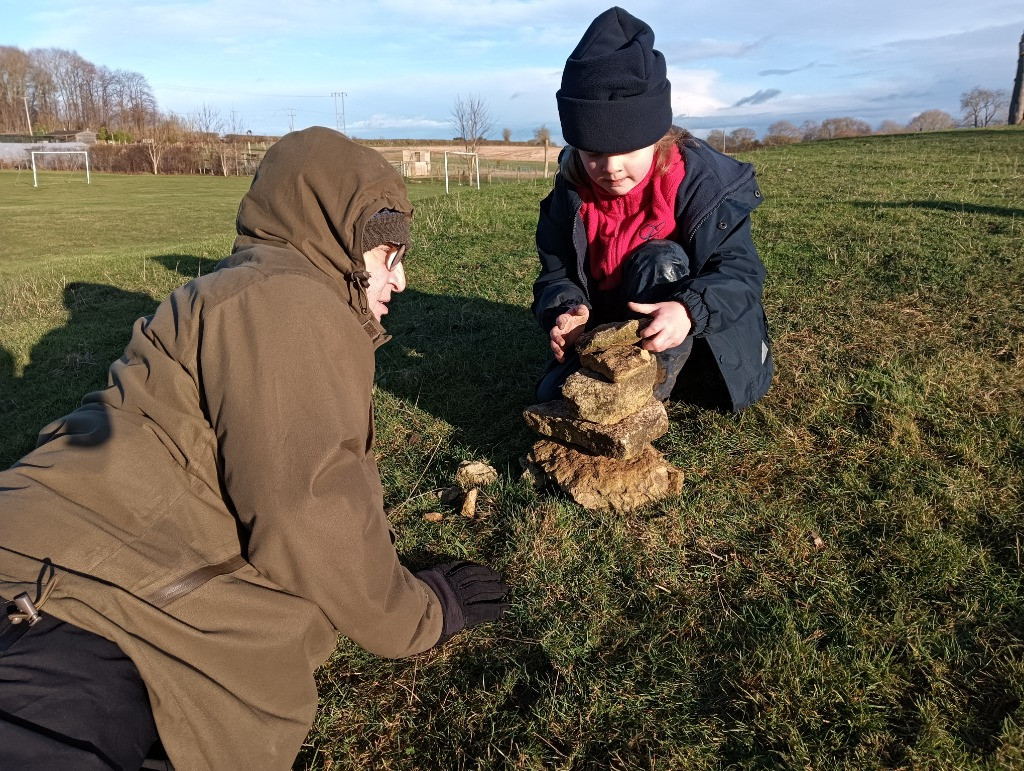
[180, 553]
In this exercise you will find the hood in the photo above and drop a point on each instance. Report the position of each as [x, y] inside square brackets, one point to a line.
[314, 192]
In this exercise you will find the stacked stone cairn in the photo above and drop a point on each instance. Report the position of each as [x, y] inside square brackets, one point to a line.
[596, 443]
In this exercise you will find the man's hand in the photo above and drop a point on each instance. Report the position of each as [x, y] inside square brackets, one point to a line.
[568, 327]
[470, 594]
[669, 325]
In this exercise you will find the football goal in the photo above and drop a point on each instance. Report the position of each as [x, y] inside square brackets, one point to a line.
[59, 164]
[472, 163]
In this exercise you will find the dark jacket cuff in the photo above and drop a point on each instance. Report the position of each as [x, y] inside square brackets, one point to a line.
[698, 309]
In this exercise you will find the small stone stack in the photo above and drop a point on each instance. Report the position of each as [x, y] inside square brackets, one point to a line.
[597, 438]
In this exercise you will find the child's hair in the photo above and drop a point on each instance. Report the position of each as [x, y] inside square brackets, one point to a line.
[574, 171]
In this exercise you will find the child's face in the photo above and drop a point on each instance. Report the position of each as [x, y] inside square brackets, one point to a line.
[618, 174]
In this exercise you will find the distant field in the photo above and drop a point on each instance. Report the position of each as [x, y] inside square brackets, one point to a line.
[120, 214]
[841, 584]
[508, 153]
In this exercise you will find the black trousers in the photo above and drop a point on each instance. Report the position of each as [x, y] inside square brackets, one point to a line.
[652, 273]
[69, 699]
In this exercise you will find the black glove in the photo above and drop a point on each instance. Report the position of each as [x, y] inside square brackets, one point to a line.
[470, 594]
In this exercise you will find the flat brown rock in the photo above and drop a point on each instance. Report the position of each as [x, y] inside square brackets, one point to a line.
[597, 482]
[607, 336]
[622, 440]
[595, 399]
[619, 363]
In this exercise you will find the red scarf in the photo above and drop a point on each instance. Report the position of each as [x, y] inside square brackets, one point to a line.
[617, 224]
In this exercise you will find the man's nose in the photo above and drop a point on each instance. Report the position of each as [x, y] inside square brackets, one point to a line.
[398, 278]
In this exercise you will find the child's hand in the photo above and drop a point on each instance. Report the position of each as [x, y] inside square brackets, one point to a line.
[669, 325]
[568, 327]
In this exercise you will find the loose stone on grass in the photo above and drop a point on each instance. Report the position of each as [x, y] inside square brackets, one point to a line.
[451, 495]
[474, 473]
[469, 503]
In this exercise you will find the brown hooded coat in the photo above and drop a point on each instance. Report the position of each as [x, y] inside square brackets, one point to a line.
[216, 511]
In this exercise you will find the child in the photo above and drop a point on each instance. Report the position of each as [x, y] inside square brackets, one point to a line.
[646, 220]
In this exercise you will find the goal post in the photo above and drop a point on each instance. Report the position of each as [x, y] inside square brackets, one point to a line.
[35, 176]
[475, 162]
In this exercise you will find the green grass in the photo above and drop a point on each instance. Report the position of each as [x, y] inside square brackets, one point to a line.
[705, 632]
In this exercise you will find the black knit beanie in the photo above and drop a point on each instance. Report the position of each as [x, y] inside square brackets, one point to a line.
[615, 97]
[386, 227]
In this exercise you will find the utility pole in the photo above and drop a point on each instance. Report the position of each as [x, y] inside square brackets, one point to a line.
[291, 120]
[28, 119]
[337, 122]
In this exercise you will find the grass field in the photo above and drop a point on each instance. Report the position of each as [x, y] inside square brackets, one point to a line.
[840, 584]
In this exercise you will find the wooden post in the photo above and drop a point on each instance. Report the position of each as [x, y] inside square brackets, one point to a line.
[546, 143]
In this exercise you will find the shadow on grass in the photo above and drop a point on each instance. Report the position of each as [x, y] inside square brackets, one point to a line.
[467, 361]
[187, 265]
[66, 363]
[952, 206]
[470, 362]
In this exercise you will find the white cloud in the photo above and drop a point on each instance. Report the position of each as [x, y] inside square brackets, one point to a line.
[380, 121]
[693, 91]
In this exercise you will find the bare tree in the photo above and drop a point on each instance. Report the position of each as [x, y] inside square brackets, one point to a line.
[980, 105]
[1016, 115]
[163, 132]
[931, 120]
[60, 89]
[782, 132]
[742, 139]
[42, 92]
[236, 126]
[717, 139]
[471, 120]
[506, 135]
[542, 134]
[890, 127]
[810, 130]
[206, 125]
[15, 66]
[837, 128]
[136, 103]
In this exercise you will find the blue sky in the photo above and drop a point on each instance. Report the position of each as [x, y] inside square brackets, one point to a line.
[402, 63]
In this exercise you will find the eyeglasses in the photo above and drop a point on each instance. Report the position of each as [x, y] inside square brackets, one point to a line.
[395, 256]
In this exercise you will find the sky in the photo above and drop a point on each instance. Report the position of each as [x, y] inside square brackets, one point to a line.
[395, 68]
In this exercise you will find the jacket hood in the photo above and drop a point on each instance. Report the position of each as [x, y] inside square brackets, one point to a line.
[314, 192]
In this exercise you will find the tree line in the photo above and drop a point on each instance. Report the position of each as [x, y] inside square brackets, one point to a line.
[48, 90]
[980, 108]
[51, 89]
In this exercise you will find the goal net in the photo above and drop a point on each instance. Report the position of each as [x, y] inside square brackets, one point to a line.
[70, 164]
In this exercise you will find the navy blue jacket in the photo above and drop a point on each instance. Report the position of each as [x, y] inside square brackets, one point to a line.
[723, 291]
